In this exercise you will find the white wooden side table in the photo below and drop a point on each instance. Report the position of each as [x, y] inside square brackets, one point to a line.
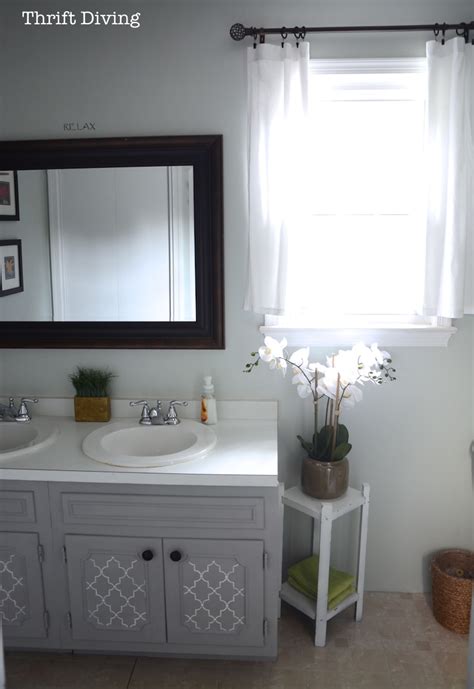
[324, 512]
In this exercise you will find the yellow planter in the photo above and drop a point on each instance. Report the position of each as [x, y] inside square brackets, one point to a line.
[92, 408]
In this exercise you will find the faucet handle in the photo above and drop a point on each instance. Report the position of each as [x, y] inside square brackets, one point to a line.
[145, 415]
[172, 417]
[23, 411]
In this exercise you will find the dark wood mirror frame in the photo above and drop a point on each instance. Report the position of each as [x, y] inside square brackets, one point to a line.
[204, 153]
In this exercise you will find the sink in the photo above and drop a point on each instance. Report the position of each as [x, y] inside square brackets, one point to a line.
[19, 438]
[127, 444]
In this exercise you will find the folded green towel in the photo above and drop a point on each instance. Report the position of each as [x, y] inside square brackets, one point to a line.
[303, 576]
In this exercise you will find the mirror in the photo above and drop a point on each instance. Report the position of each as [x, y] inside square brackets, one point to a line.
[121, 243]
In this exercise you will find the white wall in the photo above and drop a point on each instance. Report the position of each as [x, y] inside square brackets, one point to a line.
[181, 73]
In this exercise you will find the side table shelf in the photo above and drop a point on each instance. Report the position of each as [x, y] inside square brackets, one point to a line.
[325, 512]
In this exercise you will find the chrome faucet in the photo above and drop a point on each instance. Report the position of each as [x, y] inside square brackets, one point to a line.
[23, 414]
[11, 413]
[172, 417]
[145, 419]
[156, 415]
[153, 416]
[8, 411]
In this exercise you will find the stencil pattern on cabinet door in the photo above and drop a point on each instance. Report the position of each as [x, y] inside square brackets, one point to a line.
[13, 589]
[115, 588]
[214, 595]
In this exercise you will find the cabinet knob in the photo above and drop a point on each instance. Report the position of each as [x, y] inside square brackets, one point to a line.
[176, 556]
[148, 555]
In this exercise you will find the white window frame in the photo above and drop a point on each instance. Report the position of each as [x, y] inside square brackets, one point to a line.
[387, 331]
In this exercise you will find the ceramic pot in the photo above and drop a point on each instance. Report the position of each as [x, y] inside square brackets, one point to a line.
[92, 408]
[325, 480]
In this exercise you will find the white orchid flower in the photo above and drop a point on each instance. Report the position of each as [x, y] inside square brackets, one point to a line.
[272, 352]
[327, 383]
[381, 356]
[304, 387]
[352, 394]
[279, 364]
[370, 361]
[366, 361]
[300, 358]
[345, 362]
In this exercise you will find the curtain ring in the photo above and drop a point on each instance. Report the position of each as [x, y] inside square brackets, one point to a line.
[284, 36]
[254, 35]
[299, 34]
[443, 34]
[436, 30]
[262, 38]
[463, 31]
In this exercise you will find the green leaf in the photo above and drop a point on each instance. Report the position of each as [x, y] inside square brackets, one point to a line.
[342, 435]
[342, 451]
[306, 446]
[324, 443]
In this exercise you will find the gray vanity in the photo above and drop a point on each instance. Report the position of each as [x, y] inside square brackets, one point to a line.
[180, 560]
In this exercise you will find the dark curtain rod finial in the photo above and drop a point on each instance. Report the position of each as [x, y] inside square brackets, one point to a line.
[237, 32]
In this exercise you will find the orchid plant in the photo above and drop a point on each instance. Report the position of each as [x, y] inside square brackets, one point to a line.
[339, 381]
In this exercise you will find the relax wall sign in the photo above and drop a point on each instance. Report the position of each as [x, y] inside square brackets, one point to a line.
[82, 18]
[79, 126]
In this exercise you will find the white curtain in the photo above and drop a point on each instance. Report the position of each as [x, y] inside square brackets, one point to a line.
[449, 148]
[278, 87]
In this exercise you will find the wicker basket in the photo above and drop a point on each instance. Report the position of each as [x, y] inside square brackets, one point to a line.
[452, 574]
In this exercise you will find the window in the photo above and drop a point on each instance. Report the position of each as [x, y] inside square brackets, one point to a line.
[360, 262]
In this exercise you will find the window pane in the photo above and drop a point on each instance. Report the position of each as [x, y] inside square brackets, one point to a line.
[363, 251]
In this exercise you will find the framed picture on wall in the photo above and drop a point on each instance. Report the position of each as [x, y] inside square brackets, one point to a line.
[9, 209]
[11, 269]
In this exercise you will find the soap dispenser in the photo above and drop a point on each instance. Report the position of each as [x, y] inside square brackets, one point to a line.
[208, 402]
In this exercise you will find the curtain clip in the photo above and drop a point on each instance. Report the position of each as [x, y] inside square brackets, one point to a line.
[254, 36]
[464, 32]
[299, 34]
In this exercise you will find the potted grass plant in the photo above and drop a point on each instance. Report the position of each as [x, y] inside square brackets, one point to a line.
[325, 471]
[92, 401]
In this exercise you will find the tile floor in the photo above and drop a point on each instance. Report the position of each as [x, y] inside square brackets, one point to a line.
[398, 645]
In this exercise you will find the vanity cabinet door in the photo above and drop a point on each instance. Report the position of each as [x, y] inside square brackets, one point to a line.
[21, 587]
[214, 592]
[116, 588]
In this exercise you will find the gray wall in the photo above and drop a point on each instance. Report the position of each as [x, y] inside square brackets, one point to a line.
[181, 73]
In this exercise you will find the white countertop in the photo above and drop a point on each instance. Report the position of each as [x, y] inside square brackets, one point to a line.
[245, 455]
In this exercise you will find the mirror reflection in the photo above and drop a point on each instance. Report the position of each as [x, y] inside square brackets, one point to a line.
[105, 244]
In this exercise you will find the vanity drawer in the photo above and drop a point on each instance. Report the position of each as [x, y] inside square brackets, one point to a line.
[17, 507]
[163, 511]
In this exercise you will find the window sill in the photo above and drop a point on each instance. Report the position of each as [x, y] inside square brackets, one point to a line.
[385, 335]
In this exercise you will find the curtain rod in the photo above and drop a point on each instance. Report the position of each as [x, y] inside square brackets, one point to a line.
[238, 31]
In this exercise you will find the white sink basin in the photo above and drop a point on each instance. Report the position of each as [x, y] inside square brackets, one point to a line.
[127, 444]
[19, 438]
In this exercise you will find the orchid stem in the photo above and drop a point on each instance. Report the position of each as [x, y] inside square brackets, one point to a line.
[336, 416]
